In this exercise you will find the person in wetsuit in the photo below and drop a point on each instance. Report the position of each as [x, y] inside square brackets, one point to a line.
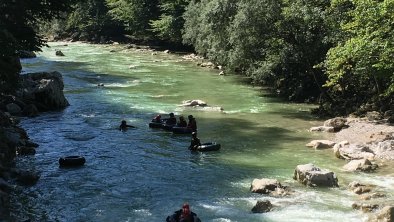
[195, 142]
[192, 124]
[124, 126]
[183, 215]
[171, 120]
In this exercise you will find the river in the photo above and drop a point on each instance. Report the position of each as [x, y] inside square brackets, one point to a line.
[145, 174]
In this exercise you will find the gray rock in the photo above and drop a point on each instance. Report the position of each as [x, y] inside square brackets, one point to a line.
[45, 90]
[373, 116]
[265, 186]
[310, 175]
[337, 123]
[59, 53]
[13, 109]
[386, 214]
[328, 129]
[360, 165]
[262, 206]
[321, 144]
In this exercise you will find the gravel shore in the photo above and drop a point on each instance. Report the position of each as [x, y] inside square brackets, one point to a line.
[363, 131]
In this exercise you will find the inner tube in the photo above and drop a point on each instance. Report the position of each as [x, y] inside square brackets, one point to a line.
[212, 146]
[72, 161]
[181, 130]
[155, 125]
[168, 127]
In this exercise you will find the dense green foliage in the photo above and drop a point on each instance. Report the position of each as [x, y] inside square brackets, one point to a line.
[360, 68]
[335, 52]
[91, 21]
[18, 31]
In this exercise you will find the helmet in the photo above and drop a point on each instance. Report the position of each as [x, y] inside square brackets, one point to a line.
[190, 117]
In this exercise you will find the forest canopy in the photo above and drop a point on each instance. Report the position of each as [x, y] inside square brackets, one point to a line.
[338, 53]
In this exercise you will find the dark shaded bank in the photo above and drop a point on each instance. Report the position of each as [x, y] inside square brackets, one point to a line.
[22, 96]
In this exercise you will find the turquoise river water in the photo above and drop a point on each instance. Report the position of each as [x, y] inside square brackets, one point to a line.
[145, 174]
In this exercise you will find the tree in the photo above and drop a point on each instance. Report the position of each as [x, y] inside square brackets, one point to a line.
[206, 28]
[170, 23]
[360, 68]
[136, 15]
[18, 31]
[90, 19]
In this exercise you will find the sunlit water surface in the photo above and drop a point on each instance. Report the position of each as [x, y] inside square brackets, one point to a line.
[145, 174]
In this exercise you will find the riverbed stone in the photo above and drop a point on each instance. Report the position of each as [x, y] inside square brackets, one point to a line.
[375, 195]
[360, 165]
[336, 123]
[355, 151]
[310, 175]
[262, 206]
[321, 144]
[59, 53]
[44, 90]
[374, 116]
[359, 188]
[13, 109]
[328, 129]
[365, 207]
[27, 178]
[265, 186]
[386, 214]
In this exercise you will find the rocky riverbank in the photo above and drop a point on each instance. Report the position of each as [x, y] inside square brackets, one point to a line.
[38, 92]
[366, 144]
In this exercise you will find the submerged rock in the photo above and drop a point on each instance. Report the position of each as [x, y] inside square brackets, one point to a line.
[262, 206]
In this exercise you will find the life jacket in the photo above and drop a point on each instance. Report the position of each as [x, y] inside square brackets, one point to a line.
[177, 216]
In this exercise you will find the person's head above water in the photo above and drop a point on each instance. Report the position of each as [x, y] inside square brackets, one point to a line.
[186, 209]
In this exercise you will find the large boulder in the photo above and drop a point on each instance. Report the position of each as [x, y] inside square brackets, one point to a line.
[360, 165]
[266, 186]
[44, 90]
[384, 149]
[337, 123]
[310, 175]
[355, 152]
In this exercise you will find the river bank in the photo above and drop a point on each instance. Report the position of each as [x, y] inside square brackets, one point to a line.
[367, 145]
[38, 93]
